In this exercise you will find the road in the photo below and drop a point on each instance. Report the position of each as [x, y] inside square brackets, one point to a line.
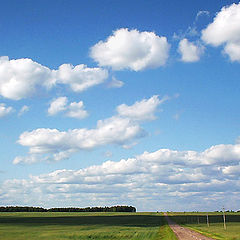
[183, 233]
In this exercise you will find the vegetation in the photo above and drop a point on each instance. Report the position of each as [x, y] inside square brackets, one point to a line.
[70, 209]
[165, 232]
[198, 222]
[112, 225]
[100, 226]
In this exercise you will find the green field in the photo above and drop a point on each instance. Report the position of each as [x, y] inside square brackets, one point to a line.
[198, 222]
[22, 226]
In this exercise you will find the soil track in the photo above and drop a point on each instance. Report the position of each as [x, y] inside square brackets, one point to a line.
[183, 233]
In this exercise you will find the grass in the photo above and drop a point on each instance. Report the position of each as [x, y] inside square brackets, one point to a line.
[165, 232]
[84, 226]
[215, 229]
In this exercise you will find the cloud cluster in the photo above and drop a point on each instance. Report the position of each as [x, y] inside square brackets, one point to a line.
[52, 144]
[19, 78]
[225, 30]
[150, 178]
[189, 51]
[4, 110]
[131, 49]
[74, 109]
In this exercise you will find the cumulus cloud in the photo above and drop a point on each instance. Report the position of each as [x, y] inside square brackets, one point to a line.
[53, 145]
[74, 109]
[114, 130]
[143, 110]
[225, 30]
[219, 154]
[20, 78]
[131, 49]
[189, 51]
[57, 105]
[80, 77]
[4, 110]
[155, 177]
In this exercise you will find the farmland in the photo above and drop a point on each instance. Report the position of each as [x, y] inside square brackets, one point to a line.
[136, 226]
[84, 226]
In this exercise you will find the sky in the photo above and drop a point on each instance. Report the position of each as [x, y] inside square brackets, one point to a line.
[108, 103]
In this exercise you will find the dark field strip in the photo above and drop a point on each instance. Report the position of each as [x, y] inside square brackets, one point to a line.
[137, 220]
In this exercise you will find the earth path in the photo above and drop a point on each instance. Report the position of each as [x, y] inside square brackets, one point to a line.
[183, 233]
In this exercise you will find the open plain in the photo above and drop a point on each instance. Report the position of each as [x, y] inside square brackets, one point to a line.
[109, 226]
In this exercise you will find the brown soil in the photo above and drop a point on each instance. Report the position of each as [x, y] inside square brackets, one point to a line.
[183, 233]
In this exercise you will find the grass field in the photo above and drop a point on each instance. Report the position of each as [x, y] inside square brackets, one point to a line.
[136, 226]
[198, 222]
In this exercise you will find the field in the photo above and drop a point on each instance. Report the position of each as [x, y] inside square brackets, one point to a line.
[22, 226]
[198, 222]
[123, 226]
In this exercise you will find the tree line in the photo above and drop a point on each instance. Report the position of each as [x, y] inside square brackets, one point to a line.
[68, 209]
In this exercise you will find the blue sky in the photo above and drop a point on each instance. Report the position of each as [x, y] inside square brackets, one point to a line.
[120, 103]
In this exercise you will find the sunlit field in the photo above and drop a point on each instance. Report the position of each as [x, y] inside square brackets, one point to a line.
[22, 226]
[198, 222]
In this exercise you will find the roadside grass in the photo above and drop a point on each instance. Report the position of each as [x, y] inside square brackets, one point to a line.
[84, 226]
[166, 233]
[216, 230]
[198, 222]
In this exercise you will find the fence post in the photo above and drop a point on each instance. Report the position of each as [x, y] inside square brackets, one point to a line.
[224, 219]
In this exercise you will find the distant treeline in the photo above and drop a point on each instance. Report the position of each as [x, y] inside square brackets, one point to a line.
[70, 209]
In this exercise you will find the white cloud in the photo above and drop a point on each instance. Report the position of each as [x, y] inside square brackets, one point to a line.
[23, 110]
[225, 30]
[20, 78]
[80, 77]
[233, 51]
[74, 109]
[218, 154]
[52, 144]
[5, 110]
[115, 83]
[231, 170]
[113, 130]
[154, 178]
[143, 110]
[57, 105]
[131, 49]
[189, 51]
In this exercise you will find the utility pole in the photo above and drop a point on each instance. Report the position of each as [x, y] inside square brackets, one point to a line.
[207, 220]
[224, 219]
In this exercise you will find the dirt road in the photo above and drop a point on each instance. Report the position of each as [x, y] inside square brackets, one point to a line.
[183, 233]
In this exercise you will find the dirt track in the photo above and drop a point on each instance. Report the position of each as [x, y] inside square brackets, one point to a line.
[185, 233]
